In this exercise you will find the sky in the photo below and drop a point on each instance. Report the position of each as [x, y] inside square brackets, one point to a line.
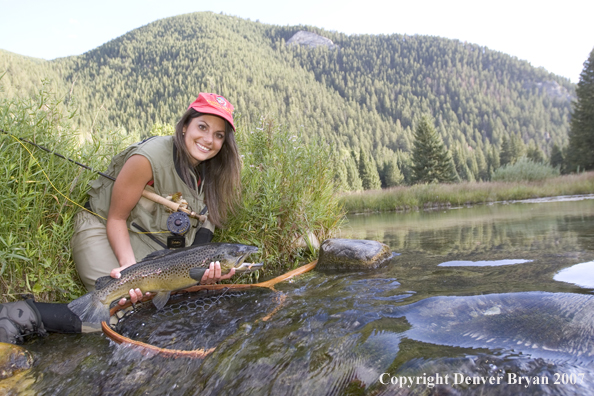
[557, 36]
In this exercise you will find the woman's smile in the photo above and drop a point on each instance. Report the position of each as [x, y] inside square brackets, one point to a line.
[204, 136]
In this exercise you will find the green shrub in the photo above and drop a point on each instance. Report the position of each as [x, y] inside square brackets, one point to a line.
[41, 193]
[525, 170]
[288, 191]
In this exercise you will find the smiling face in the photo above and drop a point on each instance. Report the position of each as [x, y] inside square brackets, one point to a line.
[204, 137]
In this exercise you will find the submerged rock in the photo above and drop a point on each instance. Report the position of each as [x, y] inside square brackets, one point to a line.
[352, 254]
[13, 359]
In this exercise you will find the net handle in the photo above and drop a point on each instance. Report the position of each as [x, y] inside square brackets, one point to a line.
[148, 349]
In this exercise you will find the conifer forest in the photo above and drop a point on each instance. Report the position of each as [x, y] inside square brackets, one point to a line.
[364, 96]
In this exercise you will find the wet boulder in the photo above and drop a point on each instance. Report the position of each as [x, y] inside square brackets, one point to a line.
[13, 359]
[352, 255]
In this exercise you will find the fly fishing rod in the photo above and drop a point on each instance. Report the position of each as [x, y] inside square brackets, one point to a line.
[176, 207]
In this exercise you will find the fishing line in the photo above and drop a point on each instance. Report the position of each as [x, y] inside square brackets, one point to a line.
[21, 140]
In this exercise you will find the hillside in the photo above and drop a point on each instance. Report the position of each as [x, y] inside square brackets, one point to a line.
[363, 91]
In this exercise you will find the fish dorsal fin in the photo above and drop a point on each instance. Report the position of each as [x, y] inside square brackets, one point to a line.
[101, 282]
[161, 299]
[197, 273]
[157, 254]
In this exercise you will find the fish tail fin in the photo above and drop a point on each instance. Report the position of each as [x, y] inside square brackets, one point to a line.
[90, 309]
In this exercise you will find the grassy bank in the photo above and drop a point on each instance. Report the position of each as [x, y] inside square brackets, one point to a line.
[288, 192]
[40, 194]
[445, 195]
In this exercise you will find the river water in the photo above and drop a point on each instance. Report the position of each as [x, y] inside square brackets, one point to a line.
[491, 300]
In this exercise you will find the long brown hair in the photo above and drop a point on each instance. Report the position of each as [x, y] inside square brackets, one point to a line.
[221, 173]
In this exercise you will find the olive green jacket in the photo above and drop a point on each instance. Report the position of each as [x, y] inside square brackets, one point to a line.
[147, 215]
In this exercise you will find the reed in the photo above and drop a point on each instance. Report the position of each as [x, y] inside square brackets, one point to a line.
[429, 196]
[288, 193]
[41, 194]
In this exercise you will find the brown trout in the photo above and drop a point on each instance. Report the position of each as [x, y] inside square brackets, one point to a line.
[162, 272]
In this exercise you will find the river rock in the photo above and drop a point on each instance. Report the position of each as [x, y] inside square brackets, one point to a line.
[352, 254]
[13, 359]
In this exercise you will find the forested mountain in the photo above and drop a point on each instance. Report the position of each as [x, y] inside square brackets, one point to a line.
[365, 93]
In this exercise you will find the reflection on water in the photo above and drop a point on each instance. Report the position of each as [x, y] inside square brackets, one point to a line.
[477, 329]
[556, 326]
[579, 274]
[483, 263]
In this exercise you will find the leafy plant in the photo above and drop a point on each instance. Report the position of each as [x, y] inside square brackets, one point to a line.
[525, 170]
[288, 193]
[41, 193]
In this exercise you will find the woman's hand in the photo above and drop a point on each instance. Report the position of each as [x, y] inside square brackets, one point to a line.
[135, 294]
[213, 274]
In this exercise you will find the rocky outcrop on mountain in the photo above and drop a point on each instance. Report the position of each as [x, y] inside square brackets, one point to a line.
[553, 89]
[310, 39]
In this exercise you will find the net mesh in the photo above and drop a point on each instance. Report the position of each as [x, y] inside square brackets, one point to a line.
[196, 320]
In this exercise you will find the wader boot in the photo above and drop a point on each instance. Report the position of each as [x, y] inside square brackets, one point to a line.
[19, 319]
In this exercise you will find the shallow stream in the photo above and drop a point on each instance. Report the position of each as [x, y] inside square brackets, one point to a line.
[491, 300]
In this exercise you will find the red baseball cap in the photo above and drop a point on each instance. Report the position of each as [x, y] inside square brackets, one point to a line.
[214, 104]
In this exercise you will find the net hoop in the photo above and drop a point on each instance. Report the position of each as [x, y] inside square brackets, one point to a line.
[148, 349]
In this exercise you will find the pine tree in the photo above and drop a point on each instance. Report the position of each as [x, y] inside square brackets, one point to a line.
[368, 172]
[493, 161]
[581, 132]
[517, 147]
[482, 165]
[556, 159]
[353, 177]
[431, 161]
[341, 182]
[505, 154]
[461, 166]
[392, 175]
[511, 150]
[535, 154]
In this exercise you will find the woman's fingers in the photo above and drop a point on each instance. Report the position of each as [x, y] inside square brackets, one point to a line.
[213, 274]
[217, 271]
[135, 296]
[229, 275]
[117, 272]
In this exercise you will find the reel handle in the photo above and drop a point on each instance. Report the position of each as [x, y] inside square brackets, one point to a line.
[172, 205]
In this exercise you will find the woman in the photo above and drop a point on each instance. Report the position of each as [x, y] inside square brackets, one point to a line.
[201, 161]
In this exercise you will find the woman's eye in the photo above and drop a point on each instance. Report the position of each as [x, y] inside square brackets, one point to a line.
[220, 136]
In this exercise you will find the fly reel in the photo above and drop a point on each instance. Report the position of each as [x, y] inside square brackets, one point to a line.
[178, 223]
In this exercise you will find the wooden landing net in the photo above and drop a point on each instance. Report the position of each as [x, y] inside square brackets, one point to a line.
[149, 349]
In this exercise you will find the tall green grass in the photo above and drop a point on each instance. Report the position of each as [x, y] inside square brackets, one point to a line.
[41, 193]
[430, 196]
[36, 220]
[288, 192]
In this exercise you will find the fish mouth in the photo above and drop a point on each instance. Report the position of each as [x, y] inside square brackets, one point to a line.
[242, 266]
